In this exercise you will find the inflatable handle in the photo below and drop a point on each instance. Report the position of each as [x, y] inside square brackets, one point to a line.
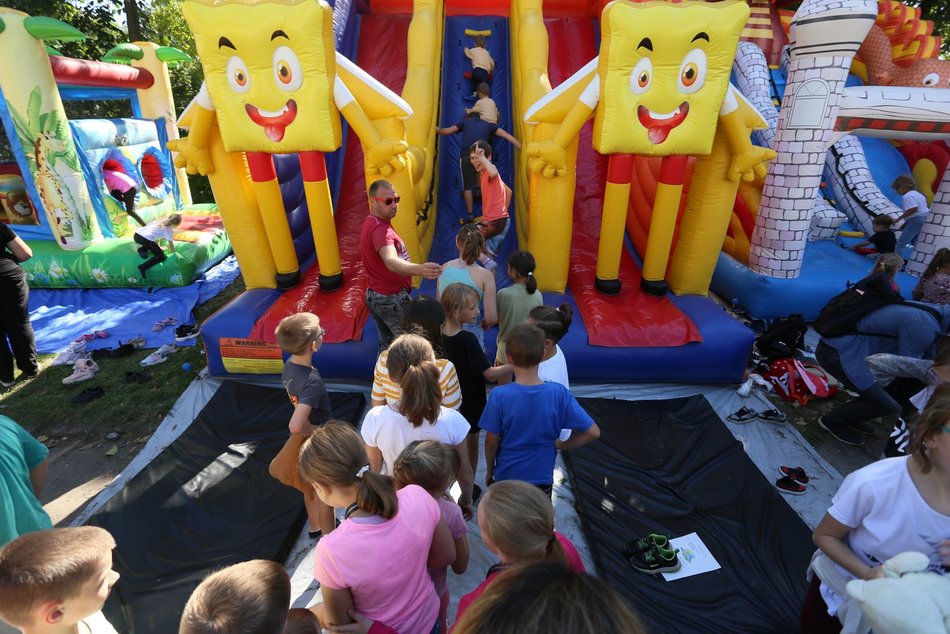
[851, 234]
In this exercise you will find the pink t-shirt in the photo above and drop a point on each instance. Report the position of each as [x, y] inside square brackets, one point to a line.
[117, 180]
[374, 235]
[573, 560]
[383, 563]
[494, 197]
[452, 514]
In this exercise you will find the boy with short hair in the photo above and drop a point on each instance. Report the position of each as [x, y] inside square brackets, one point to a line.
[482, 63]
[883, 238]
[250, 597]
[301, 335]
[485, 107]
[53, 581]
[524, 420]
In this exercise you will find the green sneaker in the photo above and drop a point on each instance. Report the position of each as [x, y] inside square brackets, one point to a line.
[645, 543]
[656, 560]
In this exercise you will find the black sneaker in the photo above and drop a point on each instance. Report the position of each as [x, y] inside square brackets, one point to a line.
[842, 433]
[655, 560]
[743, 415]
[653, 540]
[863, 427]
[89, 394]
[186, 332]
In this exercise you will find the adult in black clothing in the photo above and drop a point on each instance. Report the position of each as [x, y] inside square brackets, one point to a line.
[473, 129]
[16, 333]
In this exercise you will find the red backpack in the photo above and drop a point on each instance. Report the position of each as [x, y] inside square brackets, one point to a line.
[794, 382]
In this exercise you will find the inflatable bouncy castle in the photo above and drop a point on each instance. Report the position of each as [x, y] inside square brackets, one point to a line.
[670, 149]
[52, 169]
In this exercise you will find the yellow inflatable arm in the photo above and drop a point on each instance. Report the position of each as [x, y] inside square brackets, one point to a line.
[569, 106]
[355, 93]
[198, 118]
[748, 161]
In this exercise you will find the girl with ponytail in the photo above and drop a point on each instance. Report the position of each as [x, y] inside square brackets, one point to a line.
[419, 415]
[554, 322]
[465, 270]
[516, 301]
[375, 562]
[517, 523]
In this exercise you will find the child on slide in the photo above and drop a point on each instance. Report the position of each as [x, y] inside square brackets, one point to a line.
[482, 63]
[149, 235]
[122, 187]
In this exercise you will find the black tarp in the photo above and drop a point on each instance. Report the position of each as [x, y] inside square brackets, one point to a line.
[204, 503]
[672, 467]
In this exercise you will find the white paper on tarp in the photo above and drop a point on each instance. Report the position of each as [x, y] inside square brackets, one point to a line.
[695, 558]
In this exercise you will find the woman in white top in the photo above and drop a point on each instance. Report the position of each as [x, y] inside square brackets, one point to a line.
[888, 507]
[419, 415]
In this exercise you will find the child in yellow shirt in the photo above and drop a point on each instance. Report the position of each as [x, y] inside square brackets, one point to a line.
[482, 63]
[485, 107]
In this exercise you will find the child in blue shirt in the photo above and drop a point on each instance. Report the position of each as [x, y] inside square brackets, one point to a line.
[524, 420]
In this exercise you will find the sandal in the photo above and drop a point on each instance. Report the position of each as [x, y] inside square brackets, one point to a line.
[86, 337]
[161, 323]
[102, 334]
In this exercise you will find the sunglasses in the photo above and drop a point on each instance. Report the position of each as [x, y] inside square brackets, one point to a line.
[322, 332]
[387, 201]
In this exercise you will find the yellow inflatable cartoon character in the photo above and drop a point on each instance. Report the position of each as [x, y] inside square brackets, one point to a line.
[659, 87]
[275, 85]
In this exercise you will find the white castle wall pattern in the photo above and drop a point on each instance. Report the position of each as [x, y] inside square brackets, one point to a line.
[935, 233]
[825, 36]
[850, 180]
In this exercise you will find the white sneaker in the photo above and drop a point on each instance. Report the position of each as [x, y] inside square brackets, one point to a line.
[72, 354]
[160, 355]
[83, 370]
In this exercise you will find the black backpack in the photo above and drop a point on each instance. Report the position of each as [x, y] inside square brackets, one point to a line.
[841, 314]
[782, 337]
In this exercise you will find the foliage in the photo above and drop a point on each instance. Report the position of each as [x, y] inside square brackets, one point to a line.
[938, 11]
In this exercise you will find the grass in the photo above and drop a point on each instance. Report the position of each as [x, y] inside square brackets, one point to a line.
[42, 405]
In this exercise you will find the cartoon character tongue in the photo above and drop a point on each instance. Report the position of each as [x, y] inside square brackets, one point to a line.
[274, 125]
[658, 129]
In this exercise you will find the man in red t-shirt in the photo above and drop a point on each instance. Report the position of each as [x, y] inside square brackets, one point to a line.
[387, 264]
[496, 197]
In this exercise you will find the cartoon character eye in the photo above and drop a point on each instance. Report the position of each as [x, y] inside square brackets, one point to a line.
[287, 71]
[238, 77]
[931, 79]
[693, 71]
[641, 77]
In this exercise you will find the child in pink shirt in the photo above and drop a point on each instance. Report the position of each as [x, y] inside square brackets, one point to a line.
[122, 187]
[433, 465]
[375, 562]
[517, 523]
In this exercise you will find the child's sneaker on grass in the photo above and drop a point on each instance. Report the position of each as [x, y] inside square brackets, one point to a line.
[160, 355]
[655, 560]
[83, 370]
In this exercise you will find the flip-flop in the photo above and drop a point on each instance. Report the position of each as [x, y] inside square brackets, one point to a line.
[86, 337]
[102, 334]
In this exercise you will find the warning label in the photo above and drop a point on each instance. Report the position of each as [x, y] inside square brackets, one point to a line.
[249, 356]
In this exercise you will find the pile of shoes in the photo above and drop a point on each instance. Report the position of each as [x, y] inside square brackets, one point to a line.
[83, 370]
[652, 554]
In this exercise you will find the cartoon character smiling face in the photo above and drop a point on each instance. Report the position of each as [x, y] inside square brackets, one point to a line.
[269, 69]
[663, 80]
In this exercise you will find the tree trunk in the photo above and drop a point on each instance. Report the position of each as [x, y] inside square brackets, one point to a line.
[133, 20]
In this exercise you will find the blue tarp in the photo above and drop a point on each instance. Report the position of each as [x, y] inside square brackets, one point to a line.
[60, 316]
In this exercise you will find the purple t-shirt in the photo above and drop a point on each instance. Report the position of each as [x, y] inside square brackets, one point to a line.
[452, 514]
